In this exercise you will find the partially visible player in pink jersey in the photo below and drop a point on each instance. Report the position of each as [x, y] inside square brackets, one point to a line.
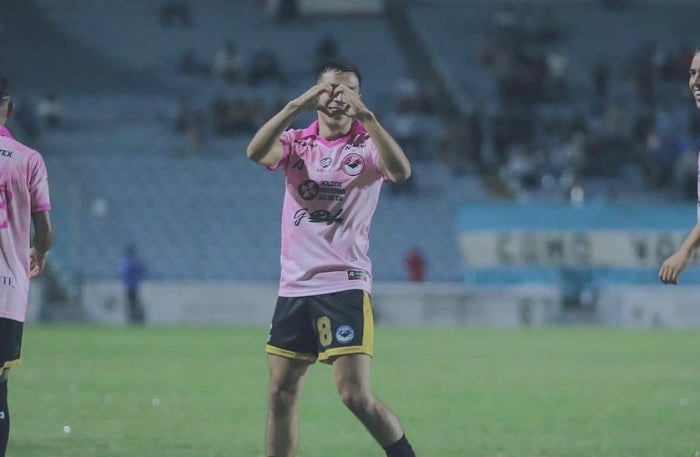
[674, 265]
[334, 170]
[24, 201]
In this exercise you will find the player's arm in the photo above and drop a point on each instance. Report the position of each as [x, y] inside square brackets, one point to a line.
[41, 242]
[266, 148]
[392, 160]
[674, 265]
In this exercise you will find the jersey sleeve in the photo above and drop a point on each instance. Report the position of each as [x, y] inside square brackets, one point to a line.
[39, 185]
[374, 155]
[287, 140]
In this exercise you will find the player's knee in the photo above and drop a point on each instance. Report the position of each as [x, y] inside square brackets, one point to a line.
[355, 399]
[282, 397]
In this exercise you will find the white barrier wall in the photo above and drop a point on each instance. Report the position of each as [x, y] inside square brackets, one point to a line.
[644, 306]
[395, 304]
[403, 304]
[417, 304]
[183, 302]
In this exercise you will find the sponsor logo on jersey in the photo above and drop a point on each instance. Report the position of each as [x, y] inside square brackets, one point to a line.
[309, 189]
[326, 190]
[319, 215]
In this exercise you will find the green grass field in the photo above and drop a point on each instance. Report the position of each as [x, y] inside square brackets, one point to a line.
[198, 392]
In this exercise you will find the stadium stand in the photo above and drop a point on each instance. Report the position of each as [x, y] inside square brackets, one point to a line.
[121, 167]
[128, 177]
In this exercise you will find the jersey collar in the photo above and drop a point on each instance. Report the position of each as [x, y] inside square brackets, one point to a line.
[5, 132]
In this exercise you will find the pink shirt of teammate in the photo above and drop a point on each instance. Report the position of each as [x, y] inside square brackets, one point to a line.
[331, 192]
[24, 190]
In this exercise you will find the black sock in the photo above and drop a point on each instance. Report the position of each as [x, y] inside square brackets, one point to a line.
[4, 419]
[401, 448]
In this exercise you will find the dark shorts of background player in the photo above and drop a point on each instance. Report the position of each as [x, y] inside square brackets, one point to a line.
[10, 342]
[322, 326]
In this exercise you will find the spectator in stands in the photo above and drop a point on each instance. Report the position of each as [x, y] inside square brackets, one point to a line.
[557, 65]
[238, 116]
[644, 76]
[415, 264]
[286, 10]
[264, 67]
[506, 21]
[456, 145]
[133, 272]
[194, 131]
[191, 64]
[227, 65]
[674, 265]
[406, 125]
[326, 49]
[522, 172]
[26, 116]
[685, 171]
[546, 27]
[50, 111]
[601, 79]
[173, 11]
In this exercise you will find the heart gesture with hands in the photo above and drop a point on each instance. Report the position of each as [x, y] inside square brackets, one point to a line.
[349, 103]
[313, 98]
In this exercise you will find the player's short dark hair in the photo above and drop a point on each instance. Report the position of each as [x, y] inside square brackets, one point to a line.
[339, 65]
[4, 89]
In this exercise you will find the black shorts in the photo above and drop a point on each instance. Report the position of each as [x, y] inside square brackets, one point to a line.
[322, 326]
[10, 342]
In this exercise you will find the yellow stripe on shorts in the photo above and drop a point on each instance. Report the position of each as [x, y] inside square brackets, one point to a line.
[11, 364]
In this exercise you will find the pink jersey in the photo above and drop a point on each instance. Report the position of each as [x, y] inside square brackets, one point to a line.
[332, 189]
[24, 190]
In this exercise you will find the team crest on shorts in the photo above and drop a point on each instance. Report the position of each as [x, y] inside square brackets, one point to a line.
[353, 164]
[344, 334]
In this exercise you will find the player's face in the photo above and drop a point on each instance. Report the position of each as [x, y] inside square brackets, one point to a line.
[336, 103]
[694, 81]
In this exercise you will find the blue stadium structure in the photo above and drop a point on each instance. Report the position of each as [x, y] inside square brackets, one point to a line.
[121, 173]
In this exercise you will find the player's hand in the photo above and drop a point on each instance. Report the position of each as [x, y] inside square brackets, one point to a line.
[354, 107]
[673, 266]
[36, 262]
[310, 100]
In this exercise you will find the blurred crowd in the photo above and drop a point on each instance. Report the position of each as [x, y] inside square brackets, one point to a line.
[35, 117]
[554, 123]
[551, 129]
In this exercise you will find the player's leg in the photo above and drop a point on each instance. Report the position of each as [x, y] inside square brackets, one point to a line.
[345, 326]
[10, 349]
[352, 377]
[291, 349]
[4, 412]
[286, 381]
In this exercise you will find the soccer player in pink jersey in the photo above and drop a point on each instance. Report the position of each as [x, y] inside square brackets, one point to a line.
[334, 171]
[674, 265]
[24, 197]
